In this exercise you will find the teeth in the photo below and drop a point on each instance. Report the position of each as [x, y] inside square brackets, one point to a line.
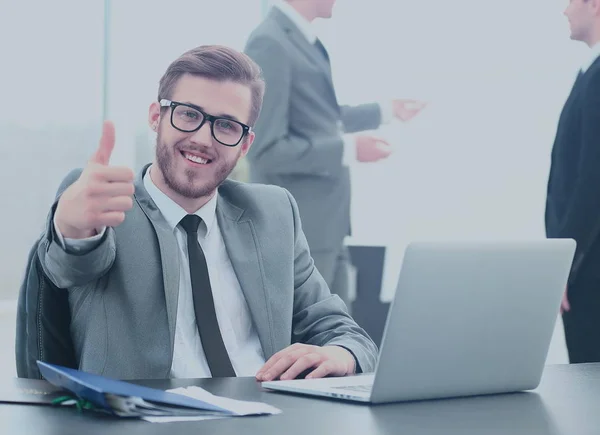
[196, 159]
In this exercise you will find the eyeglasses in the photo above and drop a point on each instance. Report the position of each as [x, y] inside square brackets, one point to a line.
[188, 119]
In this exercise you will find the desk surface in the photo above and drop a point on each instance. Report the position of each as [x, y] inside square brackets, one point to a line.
[567, 402]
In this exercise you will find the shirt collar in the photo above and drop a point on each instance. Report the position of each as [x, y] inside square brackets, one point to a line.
[592, 57]
[300, 22]
[173, 213]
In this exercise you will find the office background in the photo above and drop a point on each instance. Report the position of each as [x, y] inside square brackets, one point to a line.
[474, 164]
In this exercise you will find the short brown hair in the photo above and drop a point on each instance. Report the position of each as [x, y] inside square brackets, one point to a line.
[220, 63]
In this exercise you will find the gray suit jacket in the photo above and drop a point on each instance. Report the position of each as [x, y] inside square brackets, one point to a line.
[123, 294]
[298, 141]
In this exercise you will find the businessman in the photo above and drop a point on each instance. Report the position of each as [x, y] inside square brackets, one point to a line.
[573, 200]
[303, 135]
[179, 272]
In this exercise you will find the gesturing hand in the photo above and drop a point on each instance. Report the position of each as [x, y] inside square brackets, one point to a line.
[101, 195]
[405, 110]
[371, 149]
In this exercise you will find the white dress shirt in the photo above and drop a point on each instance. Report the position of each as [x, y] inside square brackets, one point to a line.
[305, 27]
[235, 322]
[595, 54]
[299, 21]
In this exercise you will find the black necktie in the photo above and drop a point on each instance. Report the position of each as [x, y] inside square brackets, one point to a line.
[322, 49]
[204, 305]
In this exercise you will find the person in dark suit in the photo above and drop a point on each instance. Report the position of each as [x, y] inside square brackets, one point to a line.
[304, 140]
[573, 200]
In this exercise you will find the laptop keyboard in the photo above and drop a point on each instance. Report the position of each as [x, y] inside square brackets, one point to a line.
[359, 388]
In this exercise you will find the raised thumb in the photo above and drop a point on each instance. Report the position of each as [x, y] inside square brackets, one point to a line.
[107, 144]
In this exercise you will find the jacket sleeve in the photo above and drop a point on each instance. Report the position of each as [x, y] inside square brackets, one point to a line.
[277, 148]
[321, 318]
[360, 118]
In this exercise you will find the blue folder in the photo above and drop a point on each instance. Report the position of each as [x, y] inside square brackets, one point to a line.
[94, 389]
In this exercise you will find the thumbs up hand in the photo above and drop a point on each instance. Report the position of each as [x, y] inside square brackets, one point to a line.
[101, 195]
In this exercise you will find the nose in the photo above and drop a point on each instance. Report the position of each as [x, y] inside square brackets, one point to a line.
[203, 135]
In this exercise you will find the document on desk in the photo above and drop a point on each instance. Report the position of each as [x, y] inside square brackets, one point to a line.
[125, 399]
[237, 407]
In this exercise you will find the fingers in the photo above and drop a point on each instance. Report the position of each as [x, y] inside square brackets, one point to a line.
[106, 146]
[291, 365]
[381, 141]
[108, 211]
[113, 174]
[384, 147]
[325, 369]
[406, 110]
[282, 364]
[269, 370]
[110, 219]
[111, 189]
[262, 373]
[117, 204]
[410, 104]
[415, 106]
[105, 197]
[107, 205]
[301, 364]
[294, 360]
[272, 361]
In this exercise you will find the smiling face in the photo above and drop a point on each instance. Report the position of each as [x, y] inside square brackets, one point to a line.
[189, 167]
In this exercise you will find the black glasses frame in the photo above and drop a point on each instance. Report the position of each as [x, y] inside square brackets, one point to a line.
[206, 117]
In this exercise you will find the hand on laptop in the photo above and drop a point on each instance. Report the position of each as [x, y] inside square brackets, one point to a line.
[293, 360]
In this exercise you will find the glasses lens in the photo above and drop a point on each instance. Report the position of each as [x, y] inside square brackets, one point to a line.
[186, 119]
[227, 132]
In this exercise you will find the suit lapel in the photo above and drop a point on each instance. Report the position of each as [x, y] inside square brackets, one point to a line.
[168, 251]
[242, 249]
[311, 52]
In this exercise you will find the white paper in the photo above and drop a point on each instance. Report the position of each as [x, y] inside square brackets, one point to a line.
[178, 419]
[238, 407]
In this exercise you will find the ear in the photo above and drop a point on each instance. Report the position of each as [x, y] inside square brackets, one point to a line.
[154, 115]
[247, 143]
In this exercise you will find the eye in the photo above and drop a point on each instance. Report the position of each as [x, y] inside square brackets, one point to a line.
[228, 126]
[187, 114]
[225, 125]
[191, 115]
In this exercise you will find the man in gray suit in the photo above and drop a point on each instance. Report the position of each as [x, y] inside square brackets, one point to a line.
[183, 273]
[303, 142]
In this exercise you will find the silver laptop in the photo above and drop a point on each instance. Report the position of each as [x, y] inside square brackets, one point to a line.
[467, 319]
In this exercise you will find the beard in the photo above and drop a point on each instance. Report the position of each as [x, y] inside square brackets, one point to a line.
[189, 182]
